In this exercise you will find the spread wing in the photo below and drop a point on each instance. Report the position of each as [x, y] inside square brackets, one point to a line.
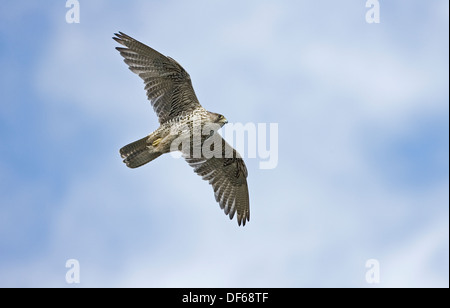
[168, 85]
[227, 174]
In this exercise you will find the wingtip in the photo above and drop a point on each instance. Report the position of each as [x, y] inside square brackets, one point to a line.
[241, 220]
[120, 37]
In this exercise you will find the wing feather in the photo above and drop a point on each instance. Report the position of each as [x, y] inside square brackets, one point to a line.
[228, 177]
[168, 85]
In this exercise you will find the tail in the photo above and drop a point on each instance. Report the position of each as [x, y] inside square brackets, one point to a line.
[138, 153]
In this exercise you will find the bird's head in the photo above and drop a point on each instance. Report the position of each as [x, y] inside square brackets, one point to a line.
[218, 118]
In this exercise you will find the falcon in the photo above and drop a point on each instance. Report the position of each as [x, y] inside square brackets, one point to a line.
[185, 126]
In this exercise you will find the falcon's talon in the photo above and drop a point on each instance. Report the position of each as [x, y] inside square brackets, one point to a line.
[156, 142]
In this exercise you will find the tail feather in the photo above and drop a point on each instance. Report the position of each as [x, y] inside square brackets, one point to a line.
[138, 153]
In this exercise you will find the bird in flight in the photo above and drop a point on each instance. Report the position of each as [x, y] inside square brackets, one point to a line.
[184, 126]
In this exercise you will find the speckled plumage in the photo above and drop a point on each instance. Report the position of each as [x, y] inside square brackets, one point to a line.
[184, 126]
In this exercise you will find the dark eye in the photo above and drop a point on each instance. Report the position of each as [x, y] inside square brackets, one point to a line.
[220, 117]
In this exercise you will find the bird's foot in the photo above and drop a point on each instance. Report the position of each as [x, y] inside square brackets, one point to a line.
[156, 142]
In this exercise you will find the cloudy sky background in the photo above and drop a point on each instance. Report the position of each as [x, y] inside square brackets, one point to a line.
[363, 156]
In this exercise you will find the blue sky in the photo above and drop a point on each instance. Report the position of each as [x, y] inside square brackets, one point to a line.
[363, 117]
